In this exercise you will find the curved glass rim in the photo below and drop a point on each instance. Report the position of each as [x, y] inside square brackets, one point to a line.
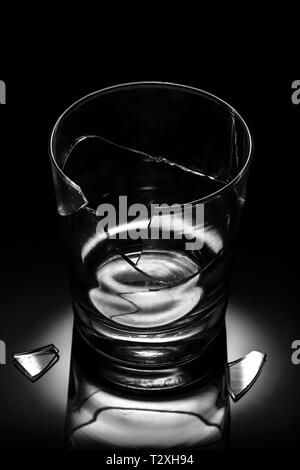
[197, 91]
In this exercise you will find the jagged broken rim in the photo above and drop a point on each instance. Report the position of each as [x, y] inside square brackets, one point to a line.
[191, 89]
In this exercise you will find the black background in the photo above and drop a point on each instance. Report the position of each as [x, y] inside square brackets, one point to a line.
[34, 288]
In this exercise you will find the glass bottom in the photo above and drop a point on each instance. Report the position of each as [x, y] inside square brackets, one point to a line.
[106, 410]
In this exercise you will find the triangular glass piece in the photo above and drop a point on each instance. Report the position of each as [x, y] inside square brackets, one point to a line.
[243, 373]
[34, 363]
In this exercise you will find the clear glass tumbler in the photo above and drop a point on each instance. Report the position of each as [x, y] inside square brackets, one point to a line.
[150, 181]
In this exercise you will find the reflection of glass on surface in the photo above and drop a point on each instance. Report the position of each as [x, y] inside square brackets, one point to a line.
[101, 415]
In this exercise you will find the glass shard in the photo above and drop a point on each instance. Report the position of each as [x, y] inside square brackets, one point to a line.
[243, 373]
[36, 362]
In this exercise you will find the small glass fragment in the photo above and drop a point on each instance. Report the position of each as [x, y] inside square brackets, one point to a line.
[36, 362]
[243, 373]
